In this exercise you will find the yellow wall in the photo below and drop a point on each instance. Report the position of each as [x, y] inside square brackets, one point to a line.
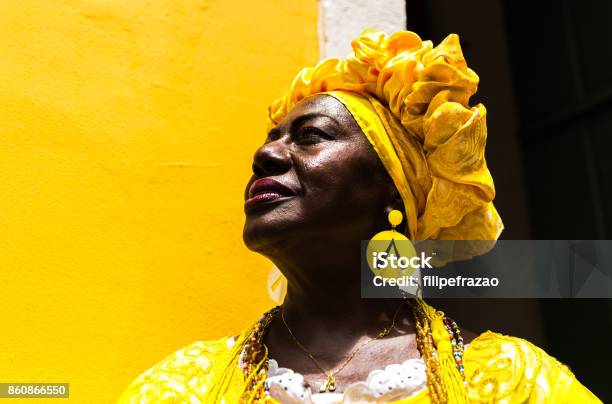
[126, 135]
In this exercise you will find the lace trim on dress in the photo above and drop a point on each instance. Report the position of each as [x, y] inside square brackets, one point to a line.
[394, 382]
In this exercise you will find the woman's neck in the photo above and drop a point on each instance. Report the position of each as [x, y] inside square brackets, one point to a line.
[324, 292]
[342, 315]
[340, 304]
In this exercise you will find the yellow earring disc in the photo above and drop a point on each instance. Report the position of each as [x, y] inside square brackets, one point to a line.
[395, 217]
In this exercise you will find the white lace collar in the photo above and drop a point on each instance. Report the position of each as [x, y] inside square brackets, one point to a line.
[396, 381]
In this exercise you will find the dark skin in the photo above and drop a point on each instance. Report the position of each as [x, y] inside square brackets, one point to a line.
[342, 194]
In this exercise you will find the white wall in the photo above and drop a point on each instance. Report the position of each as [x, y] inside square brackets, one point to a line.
[341, 21]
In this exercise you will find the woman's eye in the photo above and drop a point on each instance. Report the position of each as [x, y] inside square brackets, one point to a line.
[310, 135]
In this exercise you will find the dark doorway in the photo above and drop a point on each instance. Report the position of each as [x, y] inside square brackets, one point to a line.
[546, 80]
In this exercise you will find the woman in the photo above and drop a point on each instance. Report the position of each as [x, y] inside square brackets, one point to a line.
[388, 129]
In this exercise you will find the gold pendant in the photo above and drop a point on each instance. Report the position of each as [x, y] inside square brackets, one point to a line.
[328, 385]
[331, 386]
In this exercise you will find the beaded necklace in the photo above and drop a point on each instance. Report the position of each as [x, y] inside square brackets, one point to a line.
[255, 358]
[457, 341]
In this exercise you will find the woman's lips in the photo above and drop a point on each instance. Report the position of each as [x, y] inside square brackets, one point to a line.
[264, 191]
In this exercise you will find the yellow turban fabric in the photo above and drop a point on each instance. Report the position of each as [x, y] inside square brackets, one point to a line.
[411, 100]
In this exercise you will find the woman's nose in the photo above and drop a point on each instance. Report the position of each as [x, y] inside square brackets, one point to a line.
[272, 158]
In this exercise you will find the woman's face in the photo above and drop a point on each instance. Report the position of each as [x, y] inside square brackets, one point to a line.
[315, 178]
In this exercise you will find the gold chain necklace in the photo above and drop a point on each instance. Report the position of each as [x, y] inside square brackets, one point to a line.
[330, 383]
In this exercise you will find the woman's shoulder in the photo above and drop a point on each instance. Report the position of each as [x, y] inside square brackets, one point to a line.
[500, 367]
[186, 372]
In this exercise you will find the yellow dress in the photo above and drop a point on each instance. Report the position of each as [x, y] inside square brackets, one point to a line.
[498, 369]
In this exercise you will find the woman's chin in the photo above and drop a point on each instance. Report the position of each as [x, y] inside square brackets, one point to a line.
[263, 232]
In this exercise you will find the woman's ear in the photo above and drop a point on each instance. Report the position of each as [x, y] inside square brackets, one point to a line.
[395, 203]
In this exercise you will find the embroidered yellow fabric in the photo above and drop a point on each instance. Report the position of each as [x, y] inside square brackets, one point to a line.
[499, 369]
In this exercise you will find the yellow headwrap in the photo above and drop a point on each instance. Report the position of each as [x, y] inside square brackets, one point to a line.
[411, 100]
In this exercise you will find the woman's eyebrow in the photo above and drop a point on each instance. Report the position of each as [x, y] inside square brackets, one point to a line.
[275, 132]
[302, 118]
